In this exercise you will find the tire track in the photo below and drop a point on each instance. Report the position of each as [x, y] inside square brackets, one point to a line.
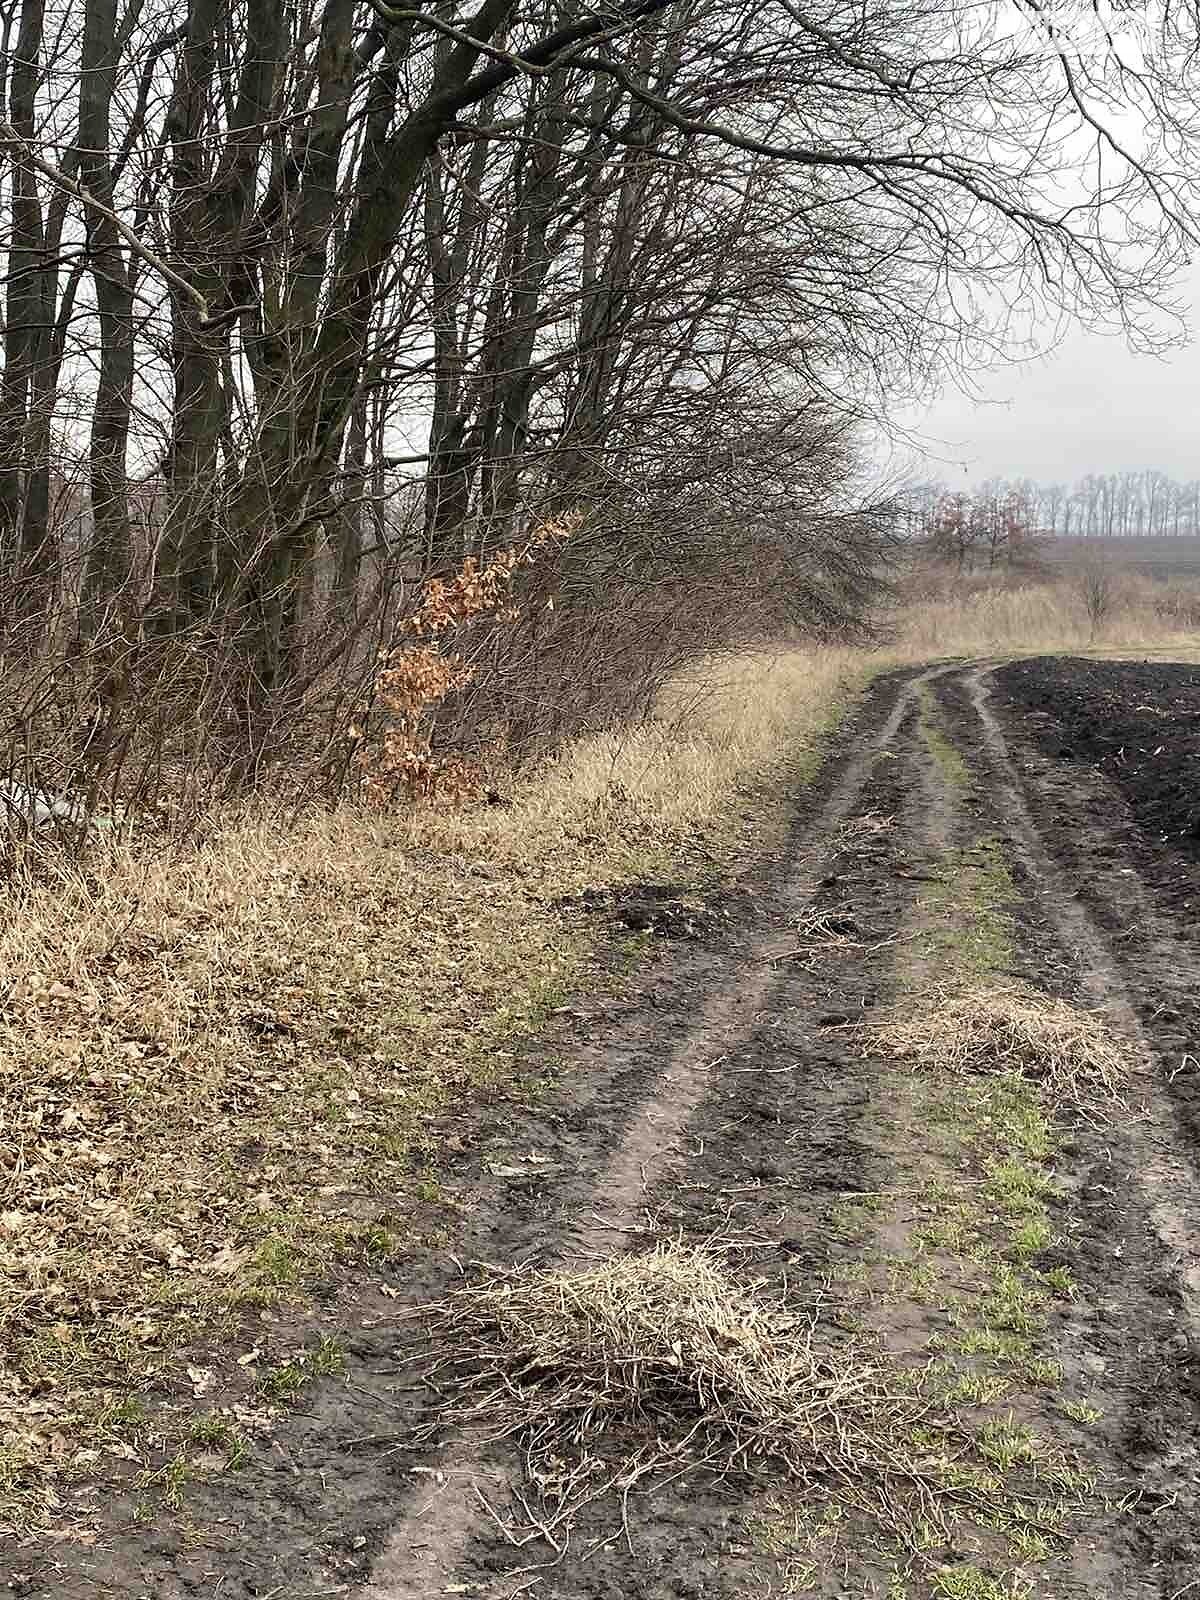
[1160, 1162]
[1134, 1182]
[425, 1551]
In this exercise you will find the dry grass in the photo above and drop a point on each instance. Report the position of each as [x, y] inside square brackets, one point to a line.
[990, 1027]
[729, 726]
[219, 1063]
[968, 617]
[658, 1365]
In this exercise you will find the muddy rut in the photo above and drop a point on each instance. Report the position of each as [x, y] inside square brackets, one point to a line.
[733, 1095]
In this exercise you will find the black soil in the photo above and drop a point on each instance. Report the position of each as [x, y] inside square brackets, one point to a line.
[1137, 722]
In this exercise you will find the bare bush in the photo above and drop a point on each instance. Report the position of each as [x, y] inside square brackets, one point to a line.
[1097, 584]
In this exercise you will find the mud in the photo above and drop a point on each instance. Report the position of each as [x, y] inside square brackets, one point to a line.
[1133, 1186]
[1138, 723]
[724, 1092]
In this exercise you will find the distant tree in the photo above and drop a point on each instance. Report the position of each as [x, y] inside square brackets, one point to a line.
[954, 532]
[1156, 490]
[1096, 585]
[1054, 502]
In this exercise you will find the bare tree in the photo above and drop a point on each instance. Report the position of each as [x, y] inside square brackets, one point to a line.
[1097, 587]
[333, 294]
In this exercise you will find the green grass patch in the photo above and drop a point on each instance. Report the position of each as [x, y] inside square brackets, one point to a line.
[1082, 1411]
[286, 1381]
[215, 1432]
[972, 1583]
[943, 750]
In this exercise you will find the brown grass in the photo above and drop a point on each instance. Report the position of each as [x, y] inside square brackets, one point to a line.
[996, 1027]
[661, 1364]
[969, 617]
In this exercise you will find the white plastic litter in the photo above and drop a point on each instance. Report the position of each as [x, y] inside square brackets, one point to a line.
[37, 809]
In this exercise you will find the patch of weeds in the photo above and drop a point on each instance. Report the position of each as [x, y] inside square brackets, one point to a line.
[953, 1234]
[1024, 1529]
[972, 1583]
[915, 1277]
[291, 1246]
[1068, 1477]
[168, 1482]
[1015, 1118]
[1007, 1443]
[943, 750]
[1082, 1411]
[284, 1382]
[1060, 1280]
[1029, 1544]
[1011, 1304]
[394, 1145]
[1030, 1237]
[975, 1389]
[276, 1262]
[22, 1489]
[1041, 1371]
[1017, 1188]
[379, 1242]
[994, 1343]
[916, 1380]
[212, 1431]
[965, 1475]
[287, 1380]
[930, 1441]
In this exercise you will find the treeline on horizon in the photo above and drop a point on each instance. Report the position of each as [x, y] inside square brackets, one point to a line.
[1140, 504]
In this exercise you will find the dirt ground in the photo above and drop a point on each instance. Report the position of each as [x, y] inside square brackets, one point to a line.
[1139, 722]
[1022, 1264]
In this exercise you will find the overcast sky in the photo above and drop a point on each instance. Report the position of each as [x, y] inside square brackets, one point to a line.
[1091, 406]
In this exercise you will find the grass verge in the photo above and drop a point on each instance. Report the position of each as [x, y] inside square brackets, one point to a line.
[955, 1276]
[221, 1065]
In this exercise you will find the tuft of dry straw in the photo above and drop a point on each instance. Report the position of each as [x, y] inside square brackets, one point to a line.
[658, 1364]
[1074, 1054]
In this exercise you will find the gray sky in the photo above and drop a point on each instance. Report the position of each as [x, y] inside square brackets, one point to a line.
[1091, 406]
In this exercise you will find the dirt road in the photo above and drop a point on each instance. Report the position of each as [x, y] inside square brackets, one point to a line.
[1016, 1259]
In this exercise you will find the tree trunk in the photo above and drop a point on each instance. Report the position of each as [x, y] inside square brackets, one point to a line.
[108, 571]
[350, 517]
[24, 430]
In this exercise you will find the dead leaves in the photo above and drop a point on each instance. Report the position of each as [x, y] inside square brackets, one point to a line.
[393, 754]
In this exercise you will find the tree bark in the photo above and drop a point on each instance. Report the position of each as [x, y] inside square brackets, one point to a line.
[25, 541]
[108, 570]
